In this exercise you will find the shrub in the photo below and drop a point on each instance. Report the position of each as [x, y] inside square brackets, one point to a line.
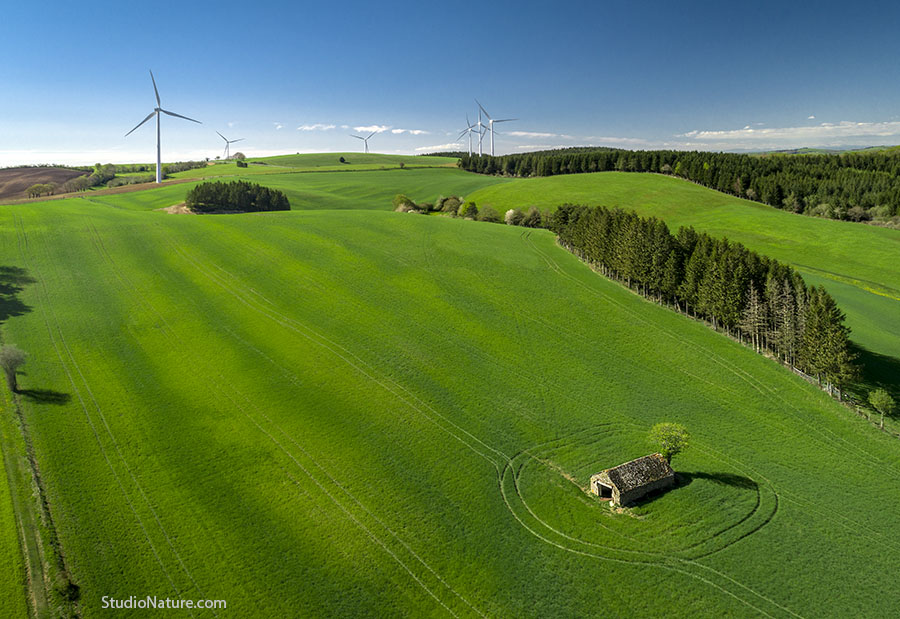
[235, 196]
[533, 218]
[241, 163]
[468, 210]
[488, 214]
[11, 359]
[342, 160]
[514, 217]
[451, 205]
[400, 199]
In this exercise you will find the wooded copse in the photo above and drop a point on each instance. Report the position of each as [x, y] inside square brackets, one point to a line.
[235, 196]
[856, 186]
[761, 301]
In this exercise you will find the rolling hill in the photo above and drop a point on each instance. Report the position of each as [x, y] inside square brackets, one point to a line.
[341, 410]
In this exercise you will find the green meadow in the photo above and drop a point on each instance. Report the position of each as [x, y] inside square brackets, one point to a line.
[342, 410]
[857, 263]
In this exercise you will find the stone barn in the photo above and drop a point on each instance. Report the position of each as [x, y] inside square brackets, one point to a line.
[629, 482]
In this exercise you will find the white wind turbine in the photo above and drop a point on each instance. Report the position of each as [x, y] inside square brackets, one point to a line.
[228, 144]
[364, 139]
[491, 122]
[467, 131]
[156, 112]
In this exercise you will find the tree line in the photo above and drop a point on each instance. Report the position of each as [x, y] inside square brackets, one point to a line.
[855, 186]
[235, 196]
[762, 302]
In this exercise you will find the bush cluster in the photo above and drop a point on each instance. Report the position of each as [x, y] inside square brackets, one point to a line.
[235, 196]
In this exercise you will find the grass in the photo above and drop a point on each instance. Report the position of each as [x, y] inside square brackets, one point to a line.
[317, 190]
[360, 412]
[13, 602]
[318, 162]
[857, 263]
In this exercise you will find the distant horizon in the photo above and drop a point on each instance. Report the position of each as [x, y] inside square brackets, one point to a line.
[251, 154]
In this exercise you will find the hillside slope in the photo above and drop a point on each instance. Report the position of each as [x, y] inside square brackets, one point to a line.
[857, 263]
[336, 412]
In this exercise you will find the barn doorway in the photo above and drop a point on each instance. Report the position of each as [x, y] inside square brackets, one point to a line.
[604, 491]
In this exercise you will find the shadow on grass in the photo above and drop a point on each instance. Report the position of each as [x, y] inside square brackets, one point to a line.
[12, 281]
[685, 479]
[877, 371]
[45, 396]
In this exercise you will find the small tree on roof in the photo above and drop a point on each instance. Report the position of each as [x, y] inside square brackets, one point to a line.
[671, 438]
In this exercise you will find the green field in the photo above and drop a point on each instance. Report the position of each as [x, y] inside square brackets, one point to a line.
[318, 162]
[335, 411]
[857, 263]
[317, 190]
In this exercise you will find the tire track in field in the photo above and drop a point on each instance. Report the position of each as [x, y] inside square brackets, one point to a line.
[23, 247]
[828, 437]
[356, 363]
[223, 383]
[224, 285]
[669, 561]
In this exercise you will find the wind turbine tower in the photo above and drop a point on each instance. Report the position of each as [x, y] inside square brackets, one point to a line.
[156, 112]
[364, 139]
[467, 131]
[228, 144]
[491, 122]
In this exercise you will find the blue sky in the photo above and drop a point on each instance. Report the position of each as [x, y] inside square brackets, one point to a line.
[299, 77]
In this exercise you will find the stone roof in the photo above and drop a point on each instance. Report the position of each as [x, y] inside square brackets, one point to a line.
[640, 472]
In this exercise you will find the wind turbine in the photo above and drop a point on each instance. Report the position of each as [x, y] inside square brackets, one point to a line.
[491, 122]
[156, 112]
[467, 131]
[228, 144]
[364, 139]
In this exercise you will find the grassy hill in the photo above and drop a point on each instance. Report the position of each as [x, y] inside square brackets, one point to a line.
[361, 412]
[319, 162]
[857, 263]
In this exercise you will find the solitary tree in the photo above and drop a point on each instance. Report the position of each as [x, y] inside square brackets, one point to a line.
[11, 359]
[882, 401]
[672, 439]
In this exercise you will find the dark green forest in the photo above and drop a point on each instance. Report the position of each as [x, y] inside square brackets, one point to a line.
[235, 196]
[854, 186]
[764, 303]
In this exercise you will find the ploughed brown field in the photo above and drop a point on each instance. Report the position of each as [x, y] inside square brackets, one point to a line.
[14, 181]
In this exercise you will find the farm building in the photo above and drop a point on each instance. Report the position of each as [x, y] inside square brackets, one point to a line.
[629, 482]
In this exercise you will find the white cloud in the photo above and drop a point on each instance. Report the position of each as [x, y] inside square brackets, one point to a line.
[532, 134]
[808, 135]
[439, 147]
[615, 140]
[410, 131]
[372, 129]
[278, 126]
[230, 125]
[810, 117]
[316, 127]
[345, 126]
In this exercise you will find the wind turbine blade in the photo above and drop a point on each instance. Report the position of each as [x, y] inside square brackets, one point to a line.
[371, 134]
[149, 116]
[483, 110]
[358, 137]
[180, 116]
[462, 134]
[222, 136]
[154, 89]
[505, 120]
[237, 140]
